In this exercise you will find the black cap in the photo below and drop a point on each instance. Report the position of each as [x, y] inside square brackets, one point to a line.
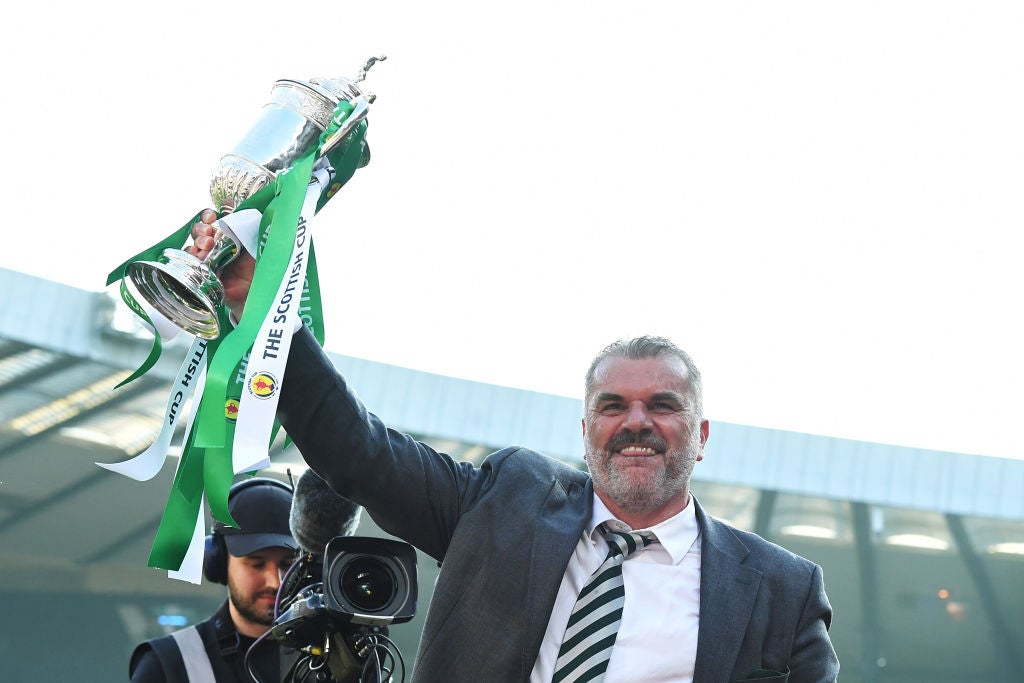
[261, 511]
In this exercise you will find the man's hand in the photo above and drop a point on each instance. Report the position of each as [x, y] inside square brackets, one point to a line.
[235, 276]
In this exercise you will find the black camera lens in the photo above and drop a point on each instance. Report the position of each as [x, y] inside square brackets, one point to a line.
[369, 581]
[368, 584]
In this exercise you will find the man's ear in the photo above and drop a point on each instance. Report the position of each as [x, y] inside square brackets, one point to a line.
[705, 431]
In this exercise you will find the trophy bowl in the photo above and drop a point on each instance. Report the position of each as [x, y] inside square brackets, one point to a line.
[185, 289]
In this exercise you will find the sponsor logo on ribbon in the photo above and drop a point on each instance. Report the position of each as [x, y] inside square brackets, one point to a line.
[262, 385]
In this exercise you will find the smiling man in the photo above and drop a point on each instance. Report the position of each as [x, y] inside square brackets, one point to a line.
[549, 573]
[643, 429]
[250, 559]
[520, 537]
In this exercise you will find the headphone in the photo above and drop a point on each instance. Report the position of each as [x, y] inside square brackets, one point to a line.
[215, 556]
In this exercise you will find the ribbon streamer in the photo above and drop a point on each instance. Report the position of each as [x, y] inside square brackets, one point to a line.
[258, 406]
[148, 464]
[208, 463]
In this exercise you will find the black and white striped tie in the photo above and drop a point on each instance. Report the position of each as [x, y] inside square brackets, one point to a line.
[594, 622]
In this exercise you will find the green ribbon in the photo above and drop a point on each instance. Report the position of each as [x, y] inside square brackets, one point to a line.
[280, 220]
[206, 460]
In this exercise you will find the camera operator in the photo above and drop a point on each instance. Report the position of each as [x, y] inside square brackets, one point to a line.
[250, 560]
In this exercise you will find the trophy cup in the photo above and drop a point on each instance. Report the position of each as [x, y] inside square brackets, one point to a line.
[185, 289]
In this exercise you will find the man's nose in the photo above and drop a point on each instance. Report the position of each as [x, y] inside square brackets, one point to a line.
[637, 417]
[273, 575]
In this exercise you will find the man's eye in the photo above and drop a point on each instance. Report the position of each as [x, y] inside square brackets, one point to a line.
[612, 408]
[663, 407]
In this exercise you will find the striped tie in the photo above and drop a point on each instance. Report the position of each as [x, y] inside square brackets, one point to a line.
[594, 622]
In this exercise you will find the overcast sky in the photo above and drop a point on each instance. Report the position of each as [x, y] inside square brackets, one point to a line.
[820, 201]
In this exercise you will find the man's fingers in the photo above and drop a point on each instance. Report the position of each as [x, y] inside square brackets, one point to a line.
[203, 242]
[203, 230]
[203, 233]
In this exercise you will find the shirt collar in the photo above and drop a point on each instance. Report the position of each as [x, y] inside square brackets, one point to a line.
[677, 534]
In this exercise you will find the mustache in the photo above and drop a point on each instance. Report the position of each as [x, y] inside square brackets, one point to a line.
[643, 440]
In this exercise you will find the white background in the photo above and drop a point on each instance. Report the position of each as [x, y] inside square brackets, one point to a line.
[821, 201]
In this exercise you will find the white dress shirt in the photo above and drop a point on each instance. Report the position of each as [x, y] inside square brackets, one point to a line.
[657, 641]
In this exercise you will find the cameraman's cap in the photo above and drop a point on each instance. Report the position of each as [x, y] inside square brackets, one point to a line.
[261, 511]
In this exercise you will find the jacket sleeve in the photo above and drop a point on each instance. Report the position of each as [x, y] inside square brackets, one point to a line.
[813, 658]
[409, 489]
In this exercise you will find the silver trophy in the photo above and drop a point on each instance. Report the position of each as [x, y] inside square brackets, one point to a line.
[185, 289]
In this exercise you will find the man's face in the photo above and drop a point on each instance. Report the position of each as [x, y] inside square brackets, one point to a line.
[253, 581]
[642, 436]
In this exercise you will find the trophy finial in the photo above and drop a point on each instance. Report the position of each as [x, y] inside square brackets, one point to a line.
[366, 67]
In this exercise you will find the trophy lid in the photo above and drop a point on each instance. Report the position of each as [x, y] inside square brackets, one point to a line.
[335, 90]
[338, 88]
[330, 90]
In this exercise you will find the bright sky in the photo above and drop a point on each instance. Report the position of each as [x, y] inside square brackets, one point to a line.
[821, 201]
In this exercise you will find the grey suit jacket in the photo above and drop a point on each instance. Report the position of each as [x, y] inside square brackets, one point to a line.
[504, 531]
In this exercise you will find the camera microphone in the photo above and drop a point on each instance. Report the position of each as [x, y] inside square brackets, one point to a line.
[319, 514]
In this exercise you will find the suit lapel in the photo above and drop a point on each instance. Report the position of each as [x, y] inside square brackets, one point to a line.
[728, 589]
[558, 530]
[727, 593]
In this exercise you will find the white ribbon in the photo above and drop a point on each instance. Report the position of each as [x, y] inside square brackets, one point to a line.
[161, 324]
[191, 374]
[269, 356]
[244, 226]
[191, 568]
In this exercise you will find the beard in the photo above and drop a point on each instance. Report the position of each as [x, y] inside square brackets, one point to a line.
[247, 605]
[644, 489]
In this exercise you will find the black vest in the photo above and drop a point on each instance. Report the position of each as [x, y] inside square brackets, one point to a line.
[225, 648]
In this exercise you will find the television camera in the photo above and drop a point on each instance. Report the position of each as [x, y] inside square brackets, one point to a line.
[334, 609]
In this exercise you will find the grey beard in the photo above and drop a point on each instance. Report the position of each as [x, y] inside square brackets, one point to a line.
[642, 494]
[645, 494]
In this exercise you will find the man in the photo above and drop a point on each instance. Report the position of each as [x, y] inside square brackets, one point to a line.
[519, 536]
[250, 560]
